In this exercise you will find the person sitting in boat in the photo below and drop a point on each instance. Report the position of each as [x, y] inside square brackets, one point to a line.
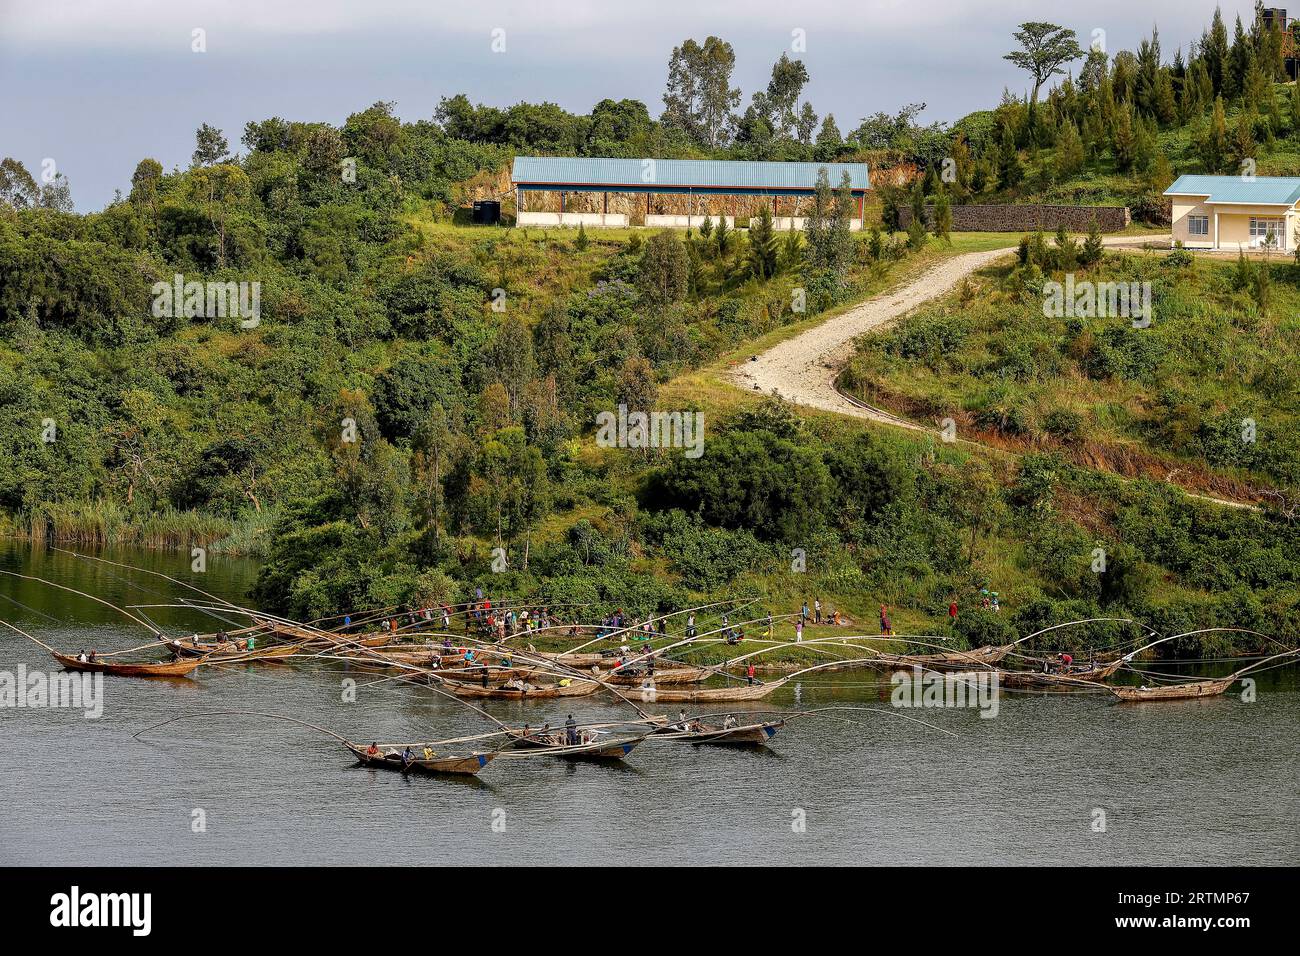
[408, 755]
[82, 657]
[681, 719]
[373, 749]
[729, 721]
[428, 752]
[93, 655]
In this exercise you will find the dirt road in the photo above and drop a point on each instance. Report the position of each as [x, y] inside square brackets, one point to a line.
[803, 370]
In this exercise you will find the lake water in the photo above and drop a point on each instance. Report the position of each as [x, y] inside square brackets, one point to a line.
[1195, 782]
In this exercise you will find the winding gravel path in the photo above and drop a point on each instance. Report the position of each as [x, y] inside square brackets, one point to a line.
[803, 370]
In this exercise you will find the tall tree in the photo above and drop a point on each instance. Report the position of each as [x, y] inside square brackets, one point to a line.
[789, 77]
[829, 140]
[664, 272]
[762, 245]
[1214, 51]
[700, 98]
[210, 146]
[1046, 48]
[17, 187]
[56, 195]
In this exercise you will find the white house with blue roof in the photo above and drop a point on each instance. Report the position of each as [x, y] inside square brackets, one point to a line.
[1235, 212]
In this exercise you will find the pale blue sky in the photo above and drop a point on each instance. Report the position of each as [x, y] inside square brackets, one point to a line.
[98, 85]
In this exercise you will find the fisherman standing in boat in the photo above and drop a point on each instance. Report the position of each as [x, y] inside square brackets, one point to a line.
[571, 731]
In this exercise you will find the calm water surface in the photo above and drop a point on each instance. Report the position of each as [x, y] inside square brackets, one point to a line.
[1198, 782]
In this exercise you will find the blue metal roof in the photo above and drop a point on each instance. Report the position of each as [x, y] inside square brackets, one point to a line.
[712, 174]
[1262, 190]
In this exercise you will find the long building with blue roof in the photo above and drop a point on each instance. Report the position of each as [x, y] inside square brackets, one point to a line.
[677, 192]
[1235, 212]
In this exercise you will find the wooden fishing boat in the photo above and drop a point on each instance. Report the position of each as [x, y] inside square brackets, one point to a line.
[1185, 691]
[125, 669]
[554, 745]
[744, 735]
[1074, 676]
[697, 695]
[582, 660]
[637, 677]
[528, 692]
[466, 764]
[947, 660]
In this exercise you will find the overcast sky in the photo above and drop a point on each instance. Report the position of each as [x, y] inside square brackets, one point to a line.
[96, 85]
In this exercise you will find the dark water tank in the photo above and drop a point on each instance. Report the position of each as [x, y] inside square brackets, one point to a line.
[487, 212]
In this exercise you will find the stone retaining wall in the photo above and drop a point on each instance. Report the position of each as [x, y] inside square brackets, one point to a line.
[1027, 218]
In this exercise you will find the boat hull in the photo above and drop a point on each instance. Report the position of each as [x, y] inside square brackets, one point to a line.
[746, 735]
[463, 765]
[160, 669]
[549, 692]
[1189, 691]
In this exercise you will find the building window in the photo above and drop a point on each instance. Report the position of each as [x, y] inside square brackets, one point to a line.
[1263, 228]
[1198, 225]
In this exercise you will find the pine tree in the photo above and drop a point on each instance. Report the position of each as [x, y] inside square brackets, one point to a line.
[791, 253]
[1069, 151]
[1243, 142]
[1092, 246]
[1261, 288]
[762, 245]
[582, 242]
[942, 216]
[1214, 147]
[706, 229]
[963, 166]
[1144, 145]
[876, 245]
[1166, 108]
[1214, 50]
[721, 238]
[1239, 57]
[1124, 140]
[915, 234]
[1066, 251]
[1241, 277]
[1010, 170]
[917, 202]
[1295, 110]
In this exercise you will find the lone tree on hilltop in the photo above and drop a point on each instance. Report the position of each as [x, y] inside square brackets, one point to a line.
[1046, 48]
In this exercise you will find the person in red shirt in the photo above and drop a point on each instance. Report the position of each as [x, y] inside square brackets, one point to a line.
[749, 672]
[952, 610]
